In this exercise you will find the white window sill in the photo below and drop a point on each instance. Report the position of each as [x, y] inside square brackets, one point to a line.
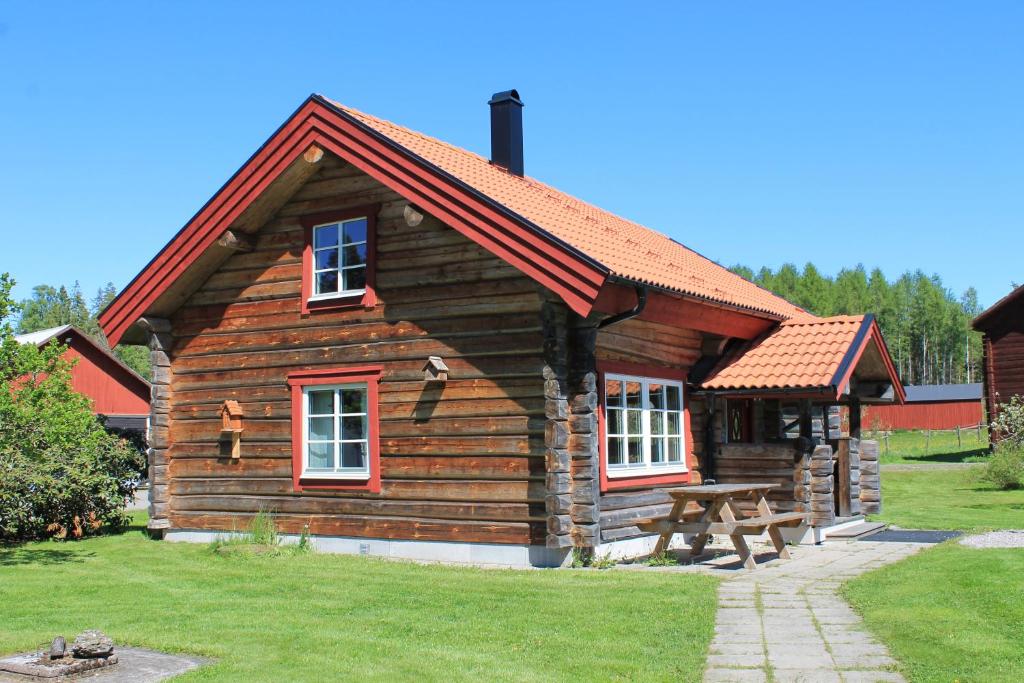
[626, 473]
[336, 476]
[351, 294]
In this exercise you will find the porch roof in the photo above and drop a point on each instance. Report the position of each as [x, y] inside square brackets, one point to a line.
[830, 358]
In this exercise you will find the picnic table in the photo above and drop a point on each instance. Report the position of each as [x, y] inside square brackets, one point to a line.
[722, 515]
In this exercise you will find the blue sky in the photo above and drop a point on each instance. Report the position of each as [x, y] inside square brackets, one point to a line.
[888, 134]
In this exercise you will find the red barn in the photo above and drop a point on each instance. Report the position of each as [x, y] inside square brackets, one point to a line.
[936, 406]
[118, 393]
[1003, 343]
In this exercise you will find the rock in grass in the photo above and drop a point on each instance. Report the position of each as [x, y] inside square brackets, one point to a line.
[92, 643]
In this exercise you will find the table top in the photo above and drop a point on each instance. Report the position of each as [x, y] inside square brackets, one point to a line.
[717, 490]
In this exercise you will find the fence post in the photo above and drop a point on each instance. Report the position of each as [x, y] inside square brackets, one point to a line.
[927, 441]
[959, 443]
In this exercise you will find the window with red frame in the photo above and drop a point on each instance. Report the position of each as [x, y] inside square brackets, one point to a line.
[338, 261]
[335, 441]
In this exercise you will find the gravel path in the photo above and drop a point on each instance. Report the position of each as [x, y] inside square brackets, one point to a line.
[1012, 538]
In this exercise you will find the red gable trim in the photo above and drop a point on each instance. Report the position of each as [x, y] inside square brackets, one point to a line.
[570, 274]
[870, 331]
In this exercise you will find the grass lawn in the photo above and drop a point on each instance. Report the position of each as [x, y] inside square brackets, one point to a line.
[331, 617]
[910, 447]
[947, 498]
[950, 613]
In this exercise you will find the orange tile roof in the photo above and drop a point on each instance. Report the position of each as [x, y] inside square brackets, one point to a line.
[802, 352]
[627, 249]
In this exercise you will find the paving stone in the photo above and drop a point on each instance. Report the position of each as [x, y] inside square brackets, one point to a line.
[872, 677]
[875, 661]
[736, 661]
[737, 616]
[751, 648]
[735, 676]
[806, 676]
[807, 659]
[737, 629]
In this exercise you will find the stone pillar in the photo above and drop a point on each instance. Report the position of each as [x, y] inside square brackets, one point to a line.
[823, 512]
[870, 479]
[160, 343]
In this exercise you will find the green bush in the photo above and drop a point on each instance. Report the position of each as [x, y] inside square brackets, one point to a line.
[1009, 422]
[1005, 467]
[61, 474]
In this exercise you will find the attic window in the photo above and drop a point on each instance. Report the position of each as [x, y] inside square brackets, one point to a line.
[338, 259]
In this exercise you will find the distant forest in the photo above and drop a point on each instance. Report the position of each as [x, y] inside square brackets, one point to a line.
[926, 326]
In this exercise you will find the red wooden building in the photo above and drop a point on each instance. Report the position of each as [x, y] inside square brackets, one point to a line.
[1003, 343]
[930, 406]
[117, 392]
[411, 350]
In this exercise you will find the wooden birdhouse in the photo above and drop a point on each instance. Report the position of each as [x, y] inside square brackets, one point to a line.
[231, 429]
[435, 370]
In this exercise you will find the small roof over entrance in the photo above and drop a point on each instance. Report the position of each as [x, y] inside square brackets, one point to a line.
[829, 359]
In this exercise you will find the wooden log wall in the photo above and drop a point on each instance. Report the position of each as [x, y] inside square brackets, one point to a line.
[461, 462]
[823, 502]
[765, 463]
[869, 479]
[654, 344]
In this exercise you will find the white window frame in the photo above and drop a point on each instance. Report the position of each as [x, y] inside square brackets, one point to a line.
[338, 472]
[646, 467]
[339, 247]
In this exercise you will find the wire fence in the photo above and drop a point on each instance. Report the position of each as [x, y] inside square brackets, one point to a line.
[979, 432]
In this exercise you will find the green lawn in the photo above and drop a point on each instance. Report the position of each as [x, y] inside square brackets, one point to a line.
[947, 498]
[330, 617]
[950, 613]
[909, 447]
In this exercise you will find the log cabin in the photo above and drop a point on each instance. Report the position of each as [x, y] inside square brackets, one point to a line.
[119, 395]
[1002, 329]
[407, 349]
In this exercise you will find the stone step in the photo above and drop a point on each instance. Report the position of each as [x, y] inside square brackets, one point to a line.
[857, 530]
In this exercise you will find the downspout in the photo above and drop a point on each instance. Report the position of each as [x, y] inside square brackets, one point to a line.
[641, 303]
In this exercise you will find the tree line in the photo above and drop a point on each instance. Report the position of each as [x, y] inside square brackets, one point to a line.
[926, 326]
[56, 306]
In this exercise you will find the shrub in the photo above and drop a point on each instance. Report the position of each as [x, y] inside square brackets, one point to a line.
[1009, 422]
[1005, 467]
[61, 474]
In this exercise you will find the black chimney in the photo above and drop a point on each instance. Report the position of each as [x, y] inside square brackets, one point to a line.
[507, 131]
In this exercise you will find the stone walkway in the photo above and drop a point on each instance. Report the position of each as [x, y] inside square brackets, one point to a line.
[786, 622]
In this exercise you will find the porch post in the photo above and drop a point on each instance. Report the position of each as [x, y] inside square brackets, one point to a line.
[855, 417]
